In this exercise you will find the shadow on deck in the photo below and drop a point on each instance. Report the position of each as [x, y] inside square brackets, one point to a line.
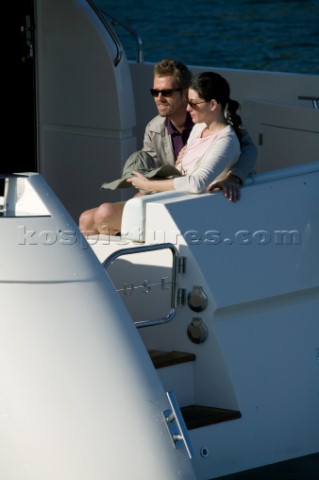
[302, 468]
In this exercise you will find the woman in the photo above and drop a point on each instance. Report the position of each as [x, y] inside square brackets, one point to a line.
[212, 148]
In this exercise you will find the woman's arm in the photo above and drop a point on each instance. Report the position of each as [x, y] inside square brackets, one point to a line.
[220, 156]
[150, 185]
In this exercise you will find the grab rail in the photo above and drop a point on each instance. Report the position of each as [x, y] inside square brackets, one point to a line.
[148, 248]
[130, 30]
[102, 14]
[282, 173]
[314, 100]
[117, 43]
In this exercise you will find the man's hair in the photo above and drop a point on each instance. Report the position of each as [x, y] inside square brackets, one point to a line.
[171, 67]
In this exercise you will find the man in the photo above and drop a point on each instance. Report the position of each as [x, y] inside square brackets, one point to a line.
[167, 133]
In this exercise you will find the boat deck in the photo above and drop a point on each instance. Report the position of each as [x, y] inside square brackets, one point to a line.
[302, 468]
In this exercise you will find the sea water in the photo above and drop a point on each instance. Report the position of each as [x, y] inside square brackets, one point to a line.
[272, 35]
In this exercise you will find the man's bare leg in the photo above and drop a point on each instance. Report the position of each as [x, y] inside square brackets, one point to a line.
[105, 219]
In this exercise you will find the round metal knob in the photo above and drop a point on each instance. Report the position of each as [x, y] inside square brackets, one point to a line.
[197, 331]
[197, 300]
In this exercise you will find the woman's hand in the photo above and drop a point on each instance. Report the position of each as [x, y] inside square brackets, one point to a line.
[140, 182]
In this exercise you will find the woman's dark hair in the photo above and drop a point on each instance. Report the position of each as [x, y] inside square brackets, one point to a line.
[212, 86]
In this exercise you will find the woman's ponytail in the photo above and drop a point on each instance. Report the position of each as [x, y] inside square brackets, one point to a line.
[232, 117]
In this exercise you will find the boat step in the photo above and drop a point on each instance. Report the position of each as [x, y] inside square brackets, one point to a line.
[162, 359]
[196, 416]
[173, 369]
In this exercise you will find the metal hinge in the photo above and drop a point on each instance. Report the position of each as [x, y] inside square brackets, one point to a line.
[181, 265]
[181, 296]
[28, 31]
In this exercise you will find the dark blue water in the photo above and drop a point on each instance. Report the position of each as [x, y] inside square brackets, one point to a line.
[274, 35]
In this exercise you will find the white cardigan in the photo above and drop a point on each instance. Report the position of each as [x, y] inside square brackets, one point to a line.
[221, 154]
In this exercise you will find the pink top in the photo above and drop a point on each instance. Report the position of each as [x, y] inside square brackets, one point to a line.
[207, 158]
[195, 151]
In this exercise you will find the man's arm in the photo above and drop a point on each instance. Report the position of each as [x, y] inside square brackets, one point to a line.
[157, 142]
[148, 143]
[244, 166]
[247, 159]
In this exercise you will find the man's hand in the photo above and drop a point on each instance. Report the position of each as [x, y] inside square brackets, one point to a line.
[230, 186]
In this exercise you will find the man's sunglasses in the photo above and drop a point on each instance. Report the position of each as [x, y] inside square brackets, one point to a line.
[166, 92]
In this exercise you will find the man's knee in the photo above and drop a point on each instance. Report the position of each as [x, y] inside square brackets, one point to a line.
[103, 213]
[86, 217]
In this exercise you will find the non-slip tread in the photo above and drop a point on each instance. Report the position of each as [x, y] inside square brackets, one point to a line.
[162, 359]
[197, 416]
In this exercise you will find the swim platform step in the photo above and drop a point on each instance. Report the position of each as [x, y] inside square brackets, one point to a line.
[195, 416]
[162, 359]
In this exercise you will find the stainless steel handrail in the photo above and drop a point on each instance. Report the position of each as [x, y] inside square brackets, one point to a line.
[130, 30]
[117, 43]
[314, 100]
[102, 14]
[150, 248]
